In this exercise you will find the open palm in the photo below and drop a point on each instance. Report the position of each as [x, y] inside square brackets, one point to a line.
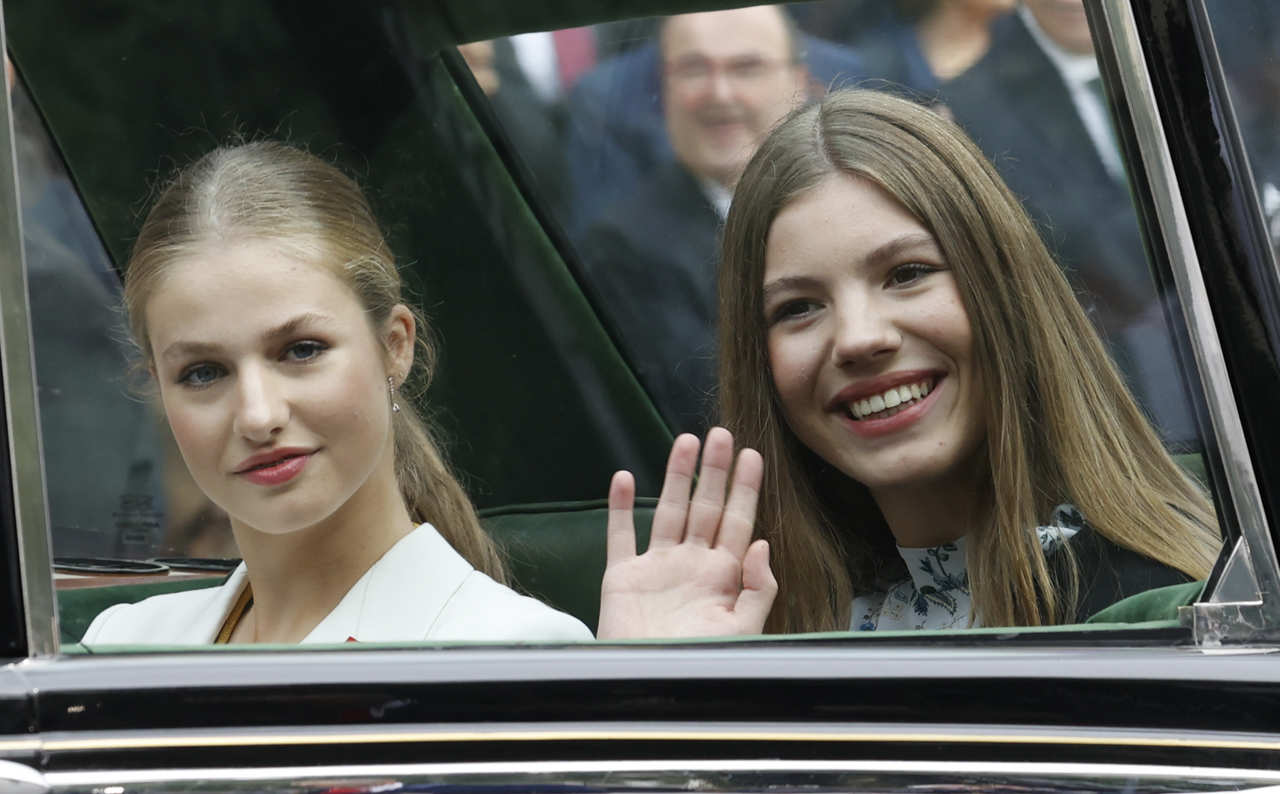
[701, 574]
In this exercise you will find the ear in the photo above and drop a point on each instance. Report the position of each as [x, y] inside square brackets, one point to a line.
[398, 335]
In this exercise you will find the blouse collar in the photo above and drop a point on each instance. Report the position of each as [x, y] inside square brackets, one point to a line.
[942, 568]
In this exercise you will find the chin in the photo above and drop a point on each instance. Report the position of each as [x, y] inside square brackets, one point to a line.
[284, 518]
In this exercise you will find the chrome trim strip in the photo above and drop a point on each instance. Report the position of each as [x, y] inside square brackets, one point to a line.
[1176, 232]
[608, 771]
[714, 732]
[21, 405]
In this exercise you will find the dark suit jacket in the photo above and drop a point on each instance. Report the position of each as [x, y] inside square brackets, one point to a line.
[1018, 110]
[651, 257]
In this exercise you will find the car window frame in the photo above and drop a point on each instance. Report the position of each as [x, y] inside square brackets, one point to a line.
[24, 516]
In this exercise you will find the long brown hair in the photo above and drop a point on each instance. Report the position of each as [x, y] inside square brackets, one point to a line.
[269, 191]
[1062, 427]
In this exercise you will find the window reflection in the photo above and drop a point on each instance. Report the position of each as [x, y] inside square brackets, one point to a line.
[116, 485]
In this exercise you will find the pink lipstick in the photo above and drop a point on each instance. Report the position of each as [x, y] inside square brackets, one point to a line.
[276, 467]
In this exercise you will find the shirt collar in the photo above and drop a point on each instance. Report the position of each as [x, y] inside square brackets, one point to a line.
[1076, 69]
[718, 195]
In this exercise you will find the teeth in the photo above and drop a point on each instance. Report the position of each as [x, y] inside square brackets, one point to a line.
[891, 401]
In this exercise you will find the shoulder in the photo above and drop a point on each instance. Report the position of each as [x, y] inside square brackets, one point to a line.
[423, 589]
[1013, 59]
[669, 192]
[188, 617]
[482, 609]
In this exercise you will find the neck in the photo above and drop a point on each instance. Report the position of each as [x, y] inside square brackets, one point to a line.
[923, 515]
[299, 577]
[953, 38]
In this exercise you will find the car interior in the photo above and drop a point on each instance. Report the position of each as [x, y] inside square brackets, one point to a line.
[538, 391]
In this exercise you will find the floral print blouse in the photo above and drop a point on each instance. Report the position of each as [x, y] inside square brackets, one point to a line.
[937, 594]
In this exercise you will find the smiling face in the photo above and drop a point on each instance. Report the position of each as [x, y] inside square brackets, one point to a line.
[869, 343]
[275, 385]
[728, 77]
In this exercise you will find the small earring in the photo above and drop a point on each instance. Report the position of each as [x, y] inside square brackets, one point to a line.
[391, 390]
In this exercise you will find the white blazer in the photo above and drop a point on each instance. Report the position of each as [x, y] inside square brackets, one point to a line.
[421, 589]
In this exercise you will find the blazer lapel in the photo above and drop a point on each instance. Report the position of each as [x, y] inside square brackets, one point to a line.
[400, 596]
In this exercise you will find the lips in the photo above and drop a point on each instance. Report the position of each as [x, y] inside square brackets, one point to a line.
[274, 467]
[866, 391]
[887, 404]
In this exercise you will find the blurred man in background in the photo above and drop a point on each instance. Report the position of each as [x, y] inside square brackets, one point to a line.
[727, 78]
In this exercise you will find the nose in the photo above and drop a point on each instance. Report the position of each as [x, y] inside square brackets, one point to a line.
[263, 409]
[864, 331]
[720, 85]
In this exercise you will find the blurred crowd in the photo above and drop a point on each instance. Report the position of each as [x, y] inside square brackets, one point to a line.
[635, 133]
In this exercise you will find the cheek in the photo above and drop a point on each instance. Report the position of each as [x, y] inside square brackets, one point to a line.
[792, 365]
[195, 431]
[957, 328]
[354, 404]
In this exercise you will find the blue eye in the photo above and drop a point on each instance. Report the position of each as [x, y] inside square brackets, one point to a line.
[306, 350]
[904, 275]
[200, 375]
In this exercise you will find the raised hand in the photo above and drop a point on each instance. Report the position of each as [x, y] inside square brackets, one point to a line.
[701, 575]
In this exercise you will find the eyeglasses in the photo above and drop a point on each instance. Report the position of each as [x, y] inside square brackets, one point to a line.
[697, 71]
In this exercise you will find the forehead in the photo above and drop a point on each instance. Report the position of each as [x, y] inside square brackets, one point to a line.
[723, 34]
[838, 223]
[237, 289]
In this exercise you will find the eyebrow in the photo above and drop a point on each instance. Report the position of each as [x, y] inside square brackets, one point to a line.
[882, 253]
[786, 283]
[185, 349]
[900, 245]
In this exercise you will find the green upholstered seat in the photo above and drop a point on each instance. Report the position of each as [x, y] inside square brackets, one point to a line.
[1159, 604]
[78, 607]
[555, 552]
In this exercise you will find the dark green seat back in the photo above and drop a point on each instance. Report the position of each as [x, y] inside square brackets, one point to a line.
[555, 553]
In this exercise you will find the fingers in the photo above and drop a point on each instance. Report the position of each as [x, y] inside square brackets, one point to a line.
[739, 519]
[620, 532]
[759, 588]
[707, 505]
[673, 503]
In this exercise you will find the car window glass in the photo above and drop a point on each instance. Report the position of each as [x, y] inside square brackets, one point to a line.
[115, 486]
[621, 150]
[1247, 35]
[633, 138]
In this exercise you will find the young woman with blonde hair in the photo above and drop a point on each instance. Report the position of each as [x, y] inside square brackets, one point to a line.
[943, 439]
[268, 308]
